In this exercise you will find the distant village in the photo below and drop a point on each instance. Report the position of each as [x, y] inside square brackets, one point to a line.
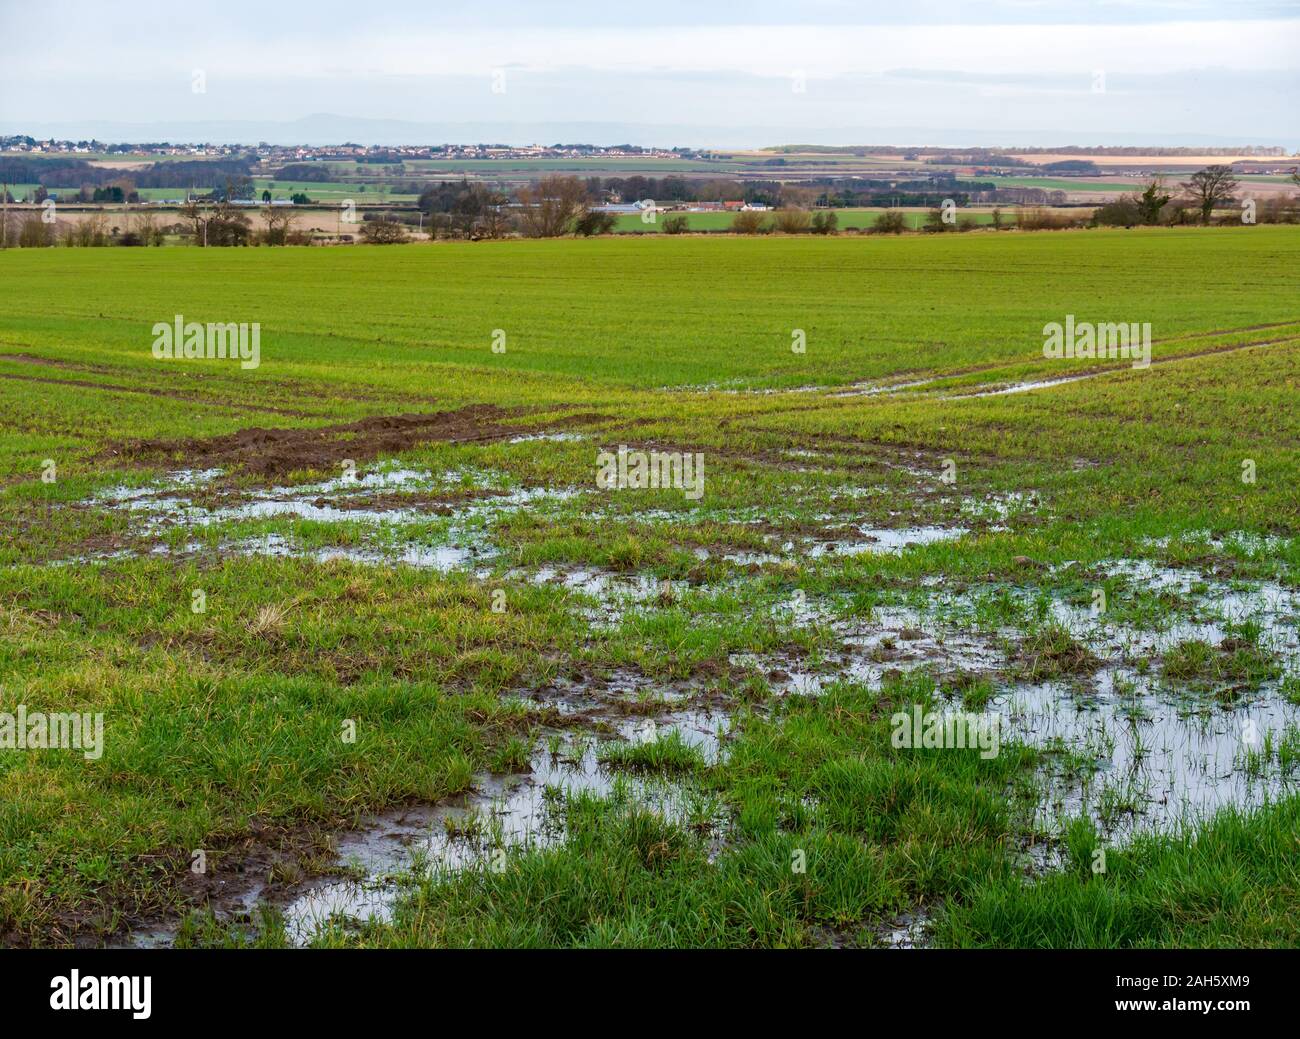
[272, 153]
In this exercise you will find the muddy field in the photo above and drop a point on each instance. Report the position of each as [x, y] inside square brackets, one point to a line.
[892, 646]
[1122, 744]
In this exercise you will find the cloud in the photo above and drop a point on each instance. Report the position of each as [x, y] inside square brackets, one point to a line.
[993, 74]
[756, 50]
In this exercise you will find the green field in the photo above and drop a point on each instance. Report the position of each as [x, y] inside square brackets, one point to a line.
[1058, 183]
[636, 717]
[331, 191]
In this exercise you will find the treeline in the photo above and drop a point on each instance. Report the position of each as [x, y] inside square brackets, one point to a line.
[1199, 200]
[843, 193]
[851, 192]
[1021, 196]
[18, 169]
[939, 220]
[975, 157]
[1075, 149]
[222, 224]
[307, 172]
[184, 173]
[1073, 168]
[564, 205]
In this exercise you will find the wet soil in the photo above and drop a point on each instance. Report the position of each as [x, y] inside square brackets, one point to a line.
[269, 453]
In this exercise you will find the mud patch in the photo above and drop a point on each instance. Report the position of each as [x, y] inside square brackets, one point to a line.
[269, 453]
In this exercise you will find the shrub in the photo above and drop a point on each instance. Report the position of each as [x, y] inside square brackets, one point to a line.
[35, 233]
[384, 231]
[934, 222]
[891, 221]
[1039, 219]
[825, 221]
[1120, 212]
[594, 223]
[792, 220]
[747, 222]
[1278, 209]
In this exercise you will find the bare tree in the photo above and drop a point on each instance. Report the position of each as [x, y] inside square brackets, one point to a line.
[792, 220]
[35, 232]
[747, 221]
[384, 231]
[495, 220]
[88, 231]
[279, 221]
[1211, 187]
[797, 197]
[197, 218]
[551, 206]
[145, 226]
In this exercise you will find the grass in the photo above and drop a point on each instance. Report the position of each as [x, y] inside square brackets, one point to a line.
[224, 727]
[1230, 884]
[670, 755]
[1235, 664]
[833, 832]
[1052, 652]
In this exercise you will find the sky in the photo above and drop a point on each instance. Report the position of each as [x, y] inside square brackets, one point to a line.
[675, 72]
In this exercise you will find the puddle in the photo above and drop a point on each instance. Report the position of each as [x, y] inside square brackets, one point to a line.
[1166, 752]
[877, 389]
[881, 539]
[610, 595]
[1132, 748]
[554, 438]
[161, 507]
[1024, 387]
[1153, 761]
[442, 558]
[998, 506]
[907, 932]
[894, 640]
[513, 812]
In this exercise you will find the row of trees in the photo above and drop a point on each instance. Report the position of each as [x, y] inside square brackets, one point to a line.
[221, 224]
[1205, 192]
[181, 173]
[33, 232]
[553, 206]
[560, 205]
[789, 220]
[224, 224]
